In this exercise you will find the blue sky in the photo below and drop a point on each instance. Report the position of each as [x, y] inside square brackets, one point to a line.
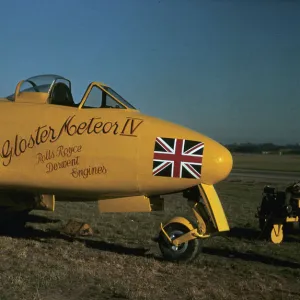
[229, 69]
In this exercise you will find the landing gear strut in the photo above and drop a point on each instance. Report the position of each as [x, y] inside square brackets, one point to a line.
[179, 239]
[184, 251]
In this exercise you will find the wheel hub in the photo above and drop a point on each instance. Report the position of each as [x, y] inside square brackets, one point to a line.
[182, 247]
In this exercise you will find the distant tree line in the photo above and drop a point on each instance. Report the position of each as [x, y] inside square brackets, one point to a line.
[265, 148]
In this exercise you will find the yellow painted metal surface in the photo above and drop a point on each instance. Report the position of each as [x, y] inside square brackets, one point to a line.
[40, 98]
[191, 235]
[126, 204]
[61, 150]
[277, 233]
[202, 227]
[292, 219]
[46, 202]
[214, 205]
[181, 220]
[103, 153]
[216, 161]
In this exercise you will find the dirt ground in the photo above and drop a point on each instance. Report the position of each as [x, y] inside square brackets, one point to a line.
[122, 262]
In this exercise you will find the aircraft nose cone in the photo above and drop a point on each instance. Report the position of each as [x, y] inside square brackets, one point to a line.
[223, 164]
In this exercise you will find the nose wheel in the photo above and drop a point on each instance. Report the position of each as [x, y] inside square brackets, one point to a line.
[186, 251]
[179, 239]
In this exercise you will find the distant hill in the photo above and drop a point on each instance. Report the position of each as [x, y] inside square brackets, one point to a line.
[265, 148]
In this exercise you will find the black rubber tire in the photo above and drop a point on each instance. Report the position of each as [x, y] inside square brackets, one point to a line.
[186, 252]
[264, 214]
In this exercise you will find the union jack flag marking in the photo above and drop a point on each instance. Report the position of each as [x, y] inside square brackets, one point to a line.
[177, 158]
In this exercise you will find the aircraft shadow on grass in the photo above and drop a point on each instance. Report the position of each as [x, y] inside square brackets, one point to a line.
[251, 256]
[42, 236]
[251, 234]
[41, 219]
[243, 233]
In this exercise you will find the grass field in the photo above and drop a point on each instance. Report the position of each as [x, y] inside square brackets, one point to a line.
[271, 162]
[121, 262]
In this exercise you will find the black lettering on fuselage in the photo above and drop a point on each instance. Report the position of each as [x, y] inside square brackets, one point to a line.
[47, 133]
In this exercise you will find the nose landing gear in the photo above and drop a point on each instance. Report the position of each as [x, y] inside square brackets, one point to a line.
[175, 249]
[180, 239]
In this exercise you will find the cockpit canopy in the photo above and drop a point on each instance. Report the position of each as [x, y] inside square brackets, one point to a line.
[40, 84]
[55, 89]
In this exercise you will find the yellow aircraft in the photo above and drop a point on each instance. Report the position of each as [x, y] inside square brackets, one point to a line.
[103, 149]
